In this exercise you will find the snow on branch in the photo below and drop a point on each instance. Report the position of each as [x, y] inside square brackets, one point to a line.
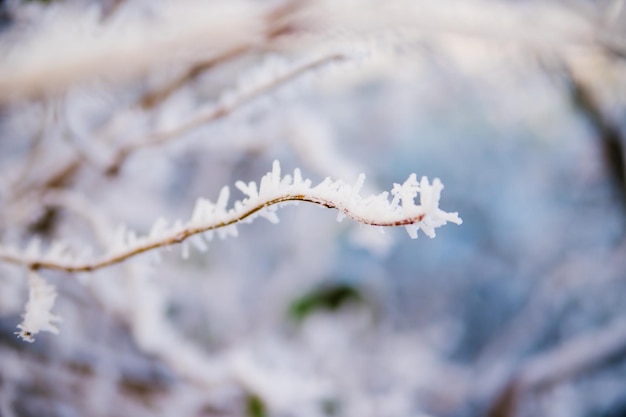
[38, 318]
[264, 82]
[261, 200]
[180, 32]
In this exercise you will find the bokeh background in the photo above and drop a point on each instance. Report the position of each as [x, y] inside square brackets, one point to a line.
[519, 107]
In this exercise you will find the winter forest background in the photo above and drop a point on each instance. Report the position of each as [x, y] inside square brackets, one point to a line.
[121, 112]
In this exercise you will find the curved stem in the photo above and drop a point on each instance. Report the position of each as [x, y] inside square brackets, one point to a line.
[216, 113]
[181, 235]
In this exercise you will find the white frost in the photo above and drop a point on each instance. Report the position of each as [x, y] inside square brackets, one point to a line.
[38, 317]
[264, 199]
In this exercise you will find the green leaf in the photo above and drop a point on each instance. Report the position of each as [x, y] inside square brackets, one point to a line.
[325, 298]
[255, 407]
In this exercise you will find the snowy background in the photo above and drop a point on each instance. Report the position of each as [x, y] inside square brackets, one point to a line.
[518, 107]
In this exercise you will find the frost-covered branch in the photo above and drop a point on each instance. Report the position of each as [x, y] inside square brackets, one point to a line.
[38, 317]
[573, 357]
[186, 33]
[231, 102]
[263, 200]
[227, 105]
[280, 22]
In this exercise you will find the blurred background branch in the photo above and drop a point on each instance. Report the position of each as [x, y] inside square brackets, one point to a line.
[518, 106]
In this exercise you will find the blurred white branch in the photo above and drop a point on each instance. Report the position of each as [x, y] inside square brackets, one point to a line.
[229, 103]
[193, 32]
[585, 352]
[123, 49]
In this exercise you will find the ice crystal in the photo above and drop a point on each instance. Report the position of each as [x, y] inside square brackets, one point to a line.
[38, 317]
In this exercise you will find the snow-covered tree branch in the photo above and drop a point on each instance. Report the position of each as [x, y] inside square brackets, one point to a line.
[207, 218]
[261, 200]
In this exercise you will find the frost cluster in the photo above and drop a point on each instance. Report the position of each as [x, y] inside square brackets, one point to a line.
[275, 191]
[263, 200]
[38, 317]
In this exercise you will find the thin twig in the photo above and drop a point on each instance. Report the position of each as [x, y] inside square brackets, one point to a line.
[152, 98]
[578, 355]
[279, 23]
[181, 235]
[35, 152]
[220, 111]
[72, 166]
